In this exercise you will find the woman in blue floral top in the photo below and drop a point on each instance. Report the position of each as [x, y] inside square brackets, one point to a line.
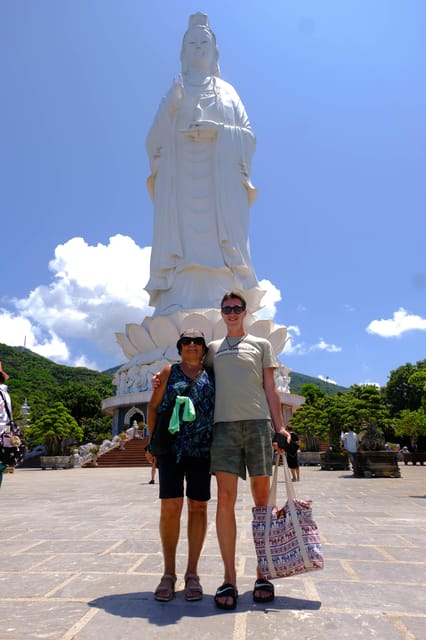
[190, 463]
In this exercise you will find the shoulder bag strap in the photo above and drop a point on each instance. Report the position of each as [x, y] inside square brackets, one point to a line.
[193, 382]
[7, 407]
[291, 497]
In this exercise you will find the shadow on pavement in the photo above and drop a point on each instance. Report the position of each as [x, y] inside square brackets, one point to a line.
[143, 605]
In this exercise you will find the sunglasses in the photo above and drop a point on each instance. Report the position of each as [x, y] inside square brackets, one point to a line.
[186, 341]
[227, 310]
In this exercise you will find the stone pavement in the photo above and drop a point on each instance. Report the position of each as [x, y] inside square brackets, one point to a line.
[81, 558]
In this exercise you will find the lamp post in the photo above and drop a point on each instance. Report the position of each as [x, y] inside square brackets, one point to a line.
[326, 384]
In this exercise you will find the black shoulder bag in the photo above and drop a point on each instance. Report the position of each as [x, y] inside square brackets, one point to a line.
[12, 447]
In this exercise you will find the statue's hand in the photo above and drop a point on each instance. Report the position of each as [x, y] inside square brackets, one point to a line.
[201, 131]
[206, 124]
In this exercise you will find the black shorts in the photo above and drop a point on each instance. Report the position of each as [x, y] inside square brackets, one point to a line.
[196, 472]
[292, 461]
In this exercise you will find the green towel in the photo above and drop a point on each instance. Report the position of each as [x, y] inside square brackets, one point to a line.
[188, 413]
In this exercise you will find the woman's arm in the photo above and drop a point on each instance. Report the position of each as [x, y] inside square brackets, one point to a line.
[154, 403]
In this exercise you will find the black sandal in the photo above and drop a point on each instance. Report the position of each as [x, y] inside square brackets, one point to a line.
[263, 585]
[227, 590]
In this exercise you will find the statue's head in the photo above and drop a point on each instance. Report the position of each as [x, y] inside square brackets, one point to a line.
[199, 38]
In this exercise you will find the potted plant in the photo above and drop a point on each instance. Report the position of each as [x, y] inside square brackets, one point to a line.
[411, 424]
[58, 431]
[373, 459]
[94, 450]
[311, 424]
[122, 437]
[334, 458]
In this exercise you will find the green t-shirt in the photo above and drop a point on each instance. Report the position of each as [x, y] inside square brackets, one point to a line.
[239, 377]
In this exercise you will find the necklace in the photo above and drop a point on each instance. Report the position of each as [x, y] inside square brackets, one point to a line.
[232, 346]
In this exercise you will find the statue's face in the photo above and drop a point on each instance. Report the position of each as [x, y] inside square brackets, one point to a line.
[198, 49]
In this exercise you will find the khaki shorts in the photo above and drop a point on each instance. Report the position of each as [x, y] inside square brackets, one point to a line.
[246, 444]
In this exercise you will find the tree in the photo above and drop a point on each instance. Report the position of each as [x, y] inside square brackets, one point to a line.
[313, 394]
[368, 414]
[402, 391]
[97, 429]
[312, 425]
[57, 430]
[336, 408]
[418, 378]
[84, 404]
[412, 424]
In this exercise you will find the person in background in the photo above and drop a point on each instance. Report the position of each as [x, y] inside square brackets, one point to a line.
[5, 413]
[350, 444]
[247, 402]
[190, 463]
[291, 452]
[153, 470]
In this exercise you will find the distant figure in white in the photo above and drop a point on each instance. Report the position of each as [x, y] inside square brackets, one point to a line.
[200, 148]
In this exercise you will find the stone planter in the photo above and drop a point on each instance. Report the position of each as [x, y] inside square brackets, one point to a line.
[307, 458]
[377, 464]
[414, 458]
[57, 462]
[334, 461]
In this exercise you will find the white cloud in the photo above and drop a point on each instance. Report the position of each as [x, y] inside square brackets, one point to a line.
[19, 331]
[95, 291]
[301, 348]
[293, 347]
[401, 322]
[272, 295]
[324, 346]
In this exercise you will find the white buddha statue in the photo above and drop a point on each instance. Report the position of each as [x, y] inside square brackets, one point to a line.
[200, 148]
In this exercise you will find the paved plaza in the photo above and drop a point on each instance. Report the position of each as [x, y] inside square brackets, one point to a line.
[81, 558]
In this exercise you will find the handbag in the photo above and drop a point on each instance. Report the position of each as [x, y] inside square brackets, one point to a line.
[12, 447]
[163, 442]
[286, 540]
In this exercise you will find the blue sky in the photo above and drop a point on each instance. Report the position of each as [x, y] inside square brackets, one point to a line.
[336, 94]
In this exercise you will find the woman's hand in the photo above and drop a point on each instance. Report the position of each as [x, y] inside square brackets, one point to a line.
[155, 381]
[281, 440]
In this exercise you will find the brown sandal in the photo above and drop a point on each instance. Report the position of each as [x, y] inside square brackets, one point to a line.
[193, 588]
[166, 589]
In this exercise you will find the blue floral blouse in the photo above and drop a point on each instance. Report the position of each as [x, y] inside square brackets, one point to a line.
[194, 438]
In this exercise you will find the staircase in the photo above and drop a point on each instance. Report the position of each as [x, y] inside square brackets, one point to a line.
[133, 455]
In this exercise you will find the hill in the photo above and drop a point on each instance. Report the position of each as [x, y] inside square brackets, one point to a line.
[31, 370]
[39, 380]
[299, 379]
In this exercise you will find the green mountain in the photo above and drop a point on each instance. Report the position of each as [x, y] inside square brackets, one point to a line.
[40, 381]
[299, 379]
[28, 369]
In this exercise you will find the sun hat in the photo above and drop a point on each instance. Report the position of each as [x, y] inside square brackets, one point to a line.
[191, 333]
